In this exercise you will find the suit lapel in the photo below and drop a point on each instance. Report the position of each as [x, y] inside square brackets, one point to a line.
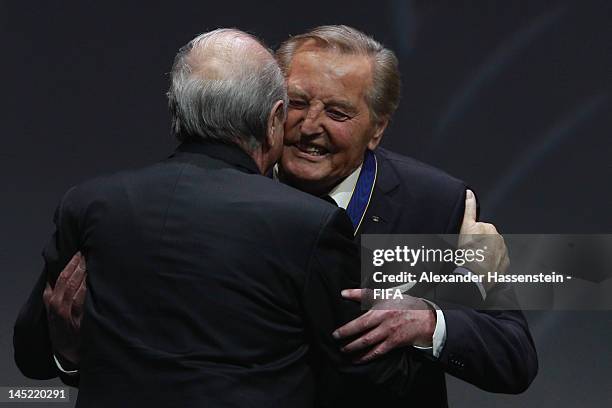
[383, 212]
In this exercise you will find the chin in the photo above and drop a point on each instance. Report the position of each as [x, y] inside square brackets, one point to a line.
[305, 176]
[301, 170]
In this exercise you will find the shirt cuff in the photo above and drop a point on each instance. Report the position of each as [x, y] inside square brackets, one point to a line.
[439, 334]
[59, 366]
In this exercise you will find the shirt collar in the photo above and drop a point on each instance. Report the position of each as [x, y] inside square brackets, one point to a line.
[343, 192]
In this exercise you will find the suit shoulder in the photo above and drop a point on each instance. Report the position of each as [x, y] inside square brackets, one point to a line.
[431, 200]
[294, 209]
[409, 166]
[417, 175]
[303, 204]
[106, 185]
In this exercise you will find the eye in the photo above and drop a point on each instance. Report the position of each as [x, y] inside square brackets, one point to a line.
[337, 115]
[297, 104]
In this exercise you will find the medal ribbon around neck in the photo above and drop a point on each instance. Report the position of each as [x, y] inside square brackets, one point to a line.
[360, 199]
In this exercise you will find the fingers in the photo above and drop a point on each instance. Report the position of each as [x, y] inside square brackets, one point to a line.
[489, 229]
[378, 351]
[64, 276]
[74, 282]
[359, 325]
[505, 264]
[69, 290]
[352, 294]
[371, 338]
[47, 294]
[79, 274]
[79, 299]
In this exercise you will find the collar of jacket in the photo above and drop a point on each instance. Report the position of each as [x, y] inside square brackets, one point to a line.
[388, 179]
[384, 210]
[231, 154]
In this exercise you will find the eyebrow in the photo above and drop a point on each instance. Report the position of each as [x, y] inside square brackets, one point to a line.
[339, 103]
[297, 92]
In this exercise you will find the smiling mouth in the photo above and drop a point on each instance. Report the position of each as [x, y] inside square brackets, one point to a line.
[311, 149]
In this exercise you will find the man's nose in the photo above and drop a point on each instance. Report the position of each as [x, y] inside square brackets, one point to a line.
[312, 122]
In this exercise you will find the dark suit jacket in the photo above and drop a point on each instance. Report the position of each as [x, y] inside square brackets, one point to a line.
[492, 350]
[208, 285]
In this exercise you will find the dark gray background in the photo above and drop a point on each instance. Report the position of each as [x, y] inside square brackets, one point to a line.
[513, 97]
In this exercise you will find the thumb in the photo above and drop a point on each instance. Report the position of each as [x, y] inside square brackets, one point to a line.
[469, 215]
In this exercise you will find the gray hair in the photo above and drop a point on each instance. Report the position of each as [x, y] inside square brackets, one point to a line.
[383, 97]
[223, 85]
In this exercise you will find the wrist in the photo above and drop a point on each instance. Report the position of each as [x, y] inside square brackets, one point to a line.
[428, 324]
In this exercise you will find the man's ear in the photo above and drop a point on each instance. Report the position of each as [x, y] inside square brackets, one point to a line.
[379, 130]
[276, 123]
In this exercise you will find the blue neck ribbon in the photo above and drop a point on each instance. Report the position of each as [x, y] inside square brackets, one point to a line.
[363, 190]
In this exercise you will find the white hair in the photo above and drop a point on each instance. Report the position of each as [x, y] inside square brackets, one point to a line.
[223, 86]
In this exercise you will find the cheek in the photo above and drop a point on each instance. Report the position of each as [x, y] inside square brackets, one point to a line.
[351, 142]
[293, 120]
[341, 136]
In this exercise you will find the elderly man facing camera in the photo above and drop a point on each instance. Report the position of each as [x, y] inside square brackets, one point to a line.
[343, 89]
[209, 285]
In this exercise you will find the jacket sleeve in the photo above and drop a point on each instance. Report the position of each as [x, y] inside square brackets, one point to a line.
[491, 349]
[33, 351]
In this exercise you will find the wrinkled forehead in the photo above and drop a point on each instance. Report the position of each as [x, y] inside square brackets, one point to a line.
[314, 45]
[331, 45]
[326, 70]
